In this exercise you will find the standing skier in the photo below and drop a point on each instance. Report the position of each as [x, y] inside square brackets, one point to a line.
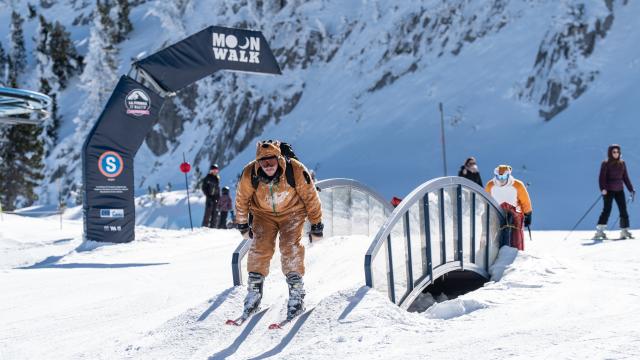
[613, 177]
[211, 190]
[280, 195]
[513, 197]
[470, 171]
[225, 206]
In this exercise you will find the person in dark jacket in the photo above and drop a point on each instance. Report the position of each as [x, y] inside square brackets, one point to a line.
[225, 206]
[470, 171]
[613, 177]
[211, 190]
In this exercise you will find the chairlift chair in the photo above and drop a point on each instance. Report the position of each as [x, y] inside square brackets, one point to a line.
[18, 106]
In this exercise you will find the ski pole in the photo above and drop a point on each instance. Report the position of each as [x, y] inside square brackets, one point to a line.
[583, 216]
[530, 238]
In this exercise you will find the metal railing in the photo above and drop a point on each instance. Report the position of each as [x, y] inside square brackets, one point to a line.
[348, 208]
[445, 224]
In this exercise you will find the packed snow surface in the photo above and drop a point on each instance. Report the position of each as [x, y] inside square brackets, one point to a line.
[167, 296]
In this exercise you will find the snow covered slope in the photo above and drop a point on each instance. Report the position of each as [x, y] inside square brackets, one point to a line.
[168, 294]
[361, 85]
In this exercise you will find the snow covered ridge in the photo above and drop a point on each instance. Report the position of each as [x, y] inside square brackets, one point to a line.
[385, 61]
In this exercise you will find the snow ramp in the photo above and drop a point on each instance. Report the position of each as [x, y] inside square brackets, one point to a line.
[462, 233]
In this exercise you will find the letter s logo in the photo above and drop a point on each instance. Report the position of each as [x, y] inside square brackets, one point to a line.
[110, 164]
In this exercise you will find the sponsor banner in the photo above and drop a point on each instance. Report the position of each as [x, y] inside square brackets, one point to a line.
[111, 213]
[212, 49]
[107, 161]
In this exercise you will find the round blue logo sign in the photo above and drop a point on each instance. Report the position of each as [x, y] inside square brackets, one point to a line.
[110, 164]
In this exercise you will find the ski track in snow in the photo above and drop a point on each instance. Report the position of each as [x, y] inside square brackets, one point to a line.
[168, 294]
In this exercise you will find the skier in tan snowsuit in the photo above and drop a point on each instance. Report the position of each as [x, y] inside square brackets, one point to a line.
[280, 195]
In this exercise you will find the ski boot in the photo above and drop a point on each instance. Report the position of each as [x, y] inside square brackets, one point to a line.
[625, 234]
[600, 235]
[254, 294]
[295, 305]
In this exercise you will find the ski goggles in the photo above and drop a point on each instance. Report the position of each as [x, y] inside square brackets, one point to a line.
[502, 172]
[268, 161]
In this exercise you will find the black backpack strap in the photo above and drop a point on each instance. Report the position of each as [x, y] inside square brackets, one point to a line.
[254, 178]
[288, 172]
[287, 151]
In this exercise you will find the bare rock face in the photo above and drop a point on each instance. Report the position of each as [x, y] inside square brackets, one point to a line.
[560, 73]
[232, 109]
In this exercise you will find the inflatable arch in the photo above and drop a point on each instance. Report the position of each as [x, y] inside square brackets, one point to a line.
[133, 108]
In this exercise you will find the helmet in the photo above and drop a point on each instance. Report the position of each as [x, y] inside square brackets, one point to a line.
[225, 190]
[502, 172]
[214, 166]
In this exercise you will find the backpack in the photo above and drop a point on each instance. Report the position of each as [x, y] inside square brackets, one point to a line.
[287, 151]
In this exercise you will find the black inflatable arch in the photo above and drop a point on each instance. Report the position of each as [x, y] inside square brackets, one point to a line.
[133, 108]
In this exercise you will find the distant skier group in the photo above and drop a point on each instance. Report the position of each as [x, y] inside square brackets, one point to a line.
[513, 197]
[509, 192]
[218, 202]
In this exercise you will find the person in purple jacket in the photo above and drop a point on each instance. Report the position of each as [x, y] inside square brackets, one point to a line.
[613, 177]
[225, 206]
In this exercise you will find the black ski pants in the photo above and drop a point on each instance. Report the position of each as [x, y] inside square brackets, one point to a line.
[622, 207]
[210, 212]
[222, 223]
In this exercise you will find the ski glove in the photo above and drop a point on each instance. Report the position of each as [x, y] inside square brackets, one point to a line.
[527, 219]
[316, 231]
[245, 230]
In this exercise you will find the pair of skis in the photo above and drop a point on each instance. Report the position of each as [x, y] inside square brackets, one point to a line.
[612, 239]
[274, 326]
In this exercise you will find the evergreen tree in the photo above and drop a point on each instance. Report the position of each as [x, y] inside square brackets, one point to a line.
[21, 166]
[43, 53]
[104, 16]
[48, 84]
[52, 125]
[3, 66]
[18, 57]
[32, 11]
[124, 26]
[12, 80]
[66, 60]
[99, 75]
[21, 150]
[170, 14]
